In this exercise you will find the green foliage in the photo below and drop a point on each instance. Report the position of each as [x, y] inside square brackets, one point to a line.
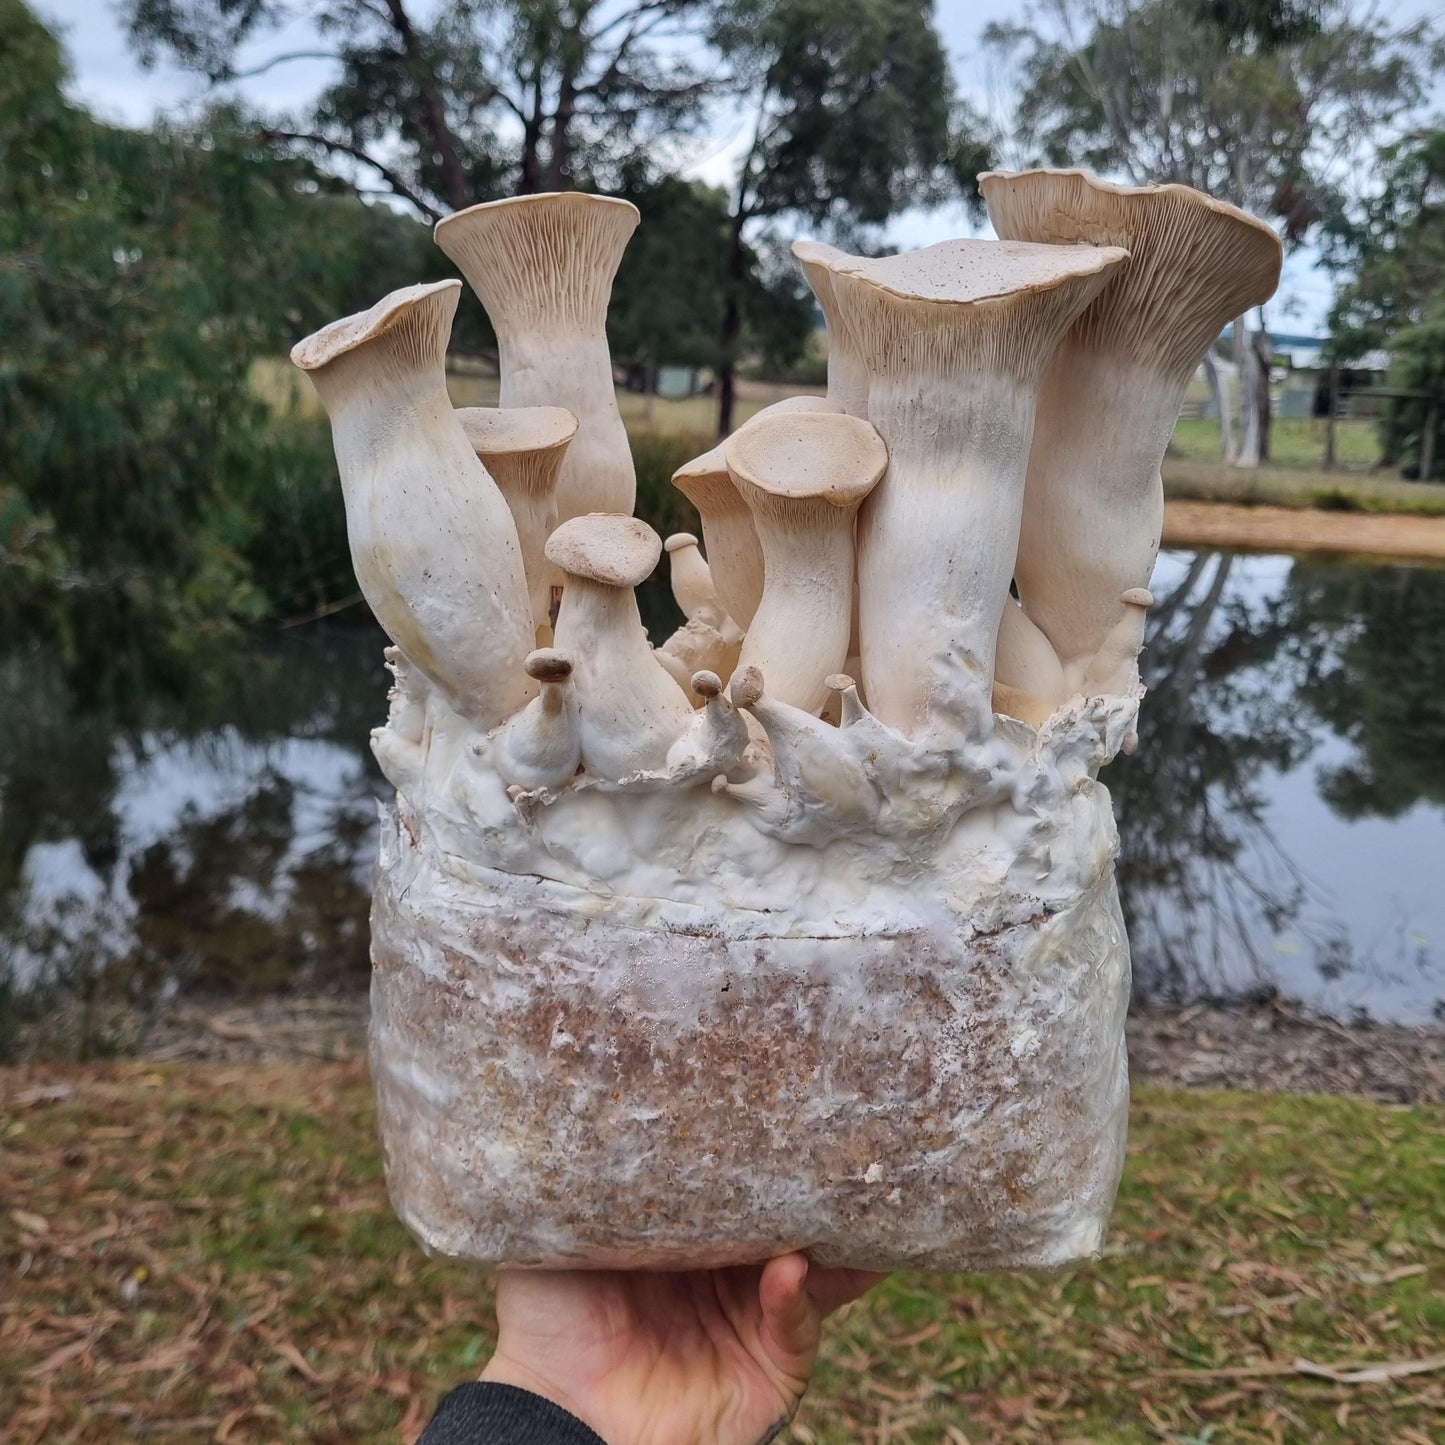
[1254, 101]
[141, 276]
[856, 112]
[657, 455]
[668, 292]
[1393, 250]
[463, 101]
[1418, 365]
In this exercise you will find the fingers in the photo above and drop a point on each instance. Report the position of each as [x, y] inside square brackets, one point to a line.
[832, 1288]
[790, 1319]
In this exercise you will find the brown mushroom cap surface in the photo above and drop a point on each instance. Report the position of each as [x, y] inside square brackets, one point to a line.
[1195, 262]
[827, 456]
[678, 540]
[546, 664]
[605, 547]
[323, 347]
[509, 431]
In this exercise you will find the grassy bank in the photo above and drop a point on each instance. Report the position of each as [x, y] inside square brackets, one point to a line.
[206, 1253]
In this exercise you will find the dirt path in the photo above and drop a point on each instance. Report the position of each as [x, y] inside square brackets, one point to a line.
[1286, 529]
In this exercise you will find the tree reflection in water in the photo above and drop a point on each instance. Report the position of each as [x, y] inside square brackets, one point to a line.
[214, 833]
[1255, 665]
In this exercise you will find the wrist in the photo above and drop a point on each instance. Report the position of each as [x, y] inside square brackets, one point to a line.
[503, 1369]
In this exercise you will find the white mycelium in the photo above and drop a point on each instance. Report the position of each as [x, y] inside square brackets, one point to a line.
[697, 954]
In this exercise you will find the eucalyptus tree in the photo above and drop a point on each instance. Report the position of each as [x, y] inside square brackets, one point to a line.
[1273, 105]
[451, 104]
[851, 116]
[1390, 250]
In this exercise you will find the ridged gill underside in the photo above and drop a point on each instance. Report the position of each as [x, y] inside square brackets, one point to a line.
[541, 260]
[1195, 263]
[414, 324]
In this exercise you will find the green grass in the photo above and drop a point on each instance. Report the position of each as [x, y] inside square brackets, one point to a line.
[206, 1253]
[1294, 443]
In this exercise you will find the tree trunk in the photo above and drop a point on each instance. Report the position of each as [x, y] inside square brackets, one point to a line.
[1219, 394]
[529, 170]
[559, 171]
[1265, 351]
[1253, 398]
[432, 116]
[732, 326]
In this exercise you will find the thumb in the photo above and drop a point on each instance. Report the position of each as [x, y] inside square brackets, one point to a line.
[791, 1323]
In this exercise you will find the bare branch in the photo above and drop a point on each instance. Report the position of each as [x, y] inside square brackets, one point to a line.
[275, 60]
[338, 147]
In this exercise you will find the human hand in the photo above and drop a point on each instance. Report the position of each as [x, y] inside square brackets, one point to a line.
[666, 1359]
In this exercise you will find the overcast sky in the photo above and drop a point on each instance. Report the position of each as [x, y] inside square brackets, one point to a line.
[110, 81]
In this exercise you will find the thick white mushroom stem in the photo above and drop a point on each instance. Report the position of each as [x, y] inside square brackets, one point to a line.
[433, 545]
[1114, 669]
[541, 747]
[734, 555]
[1112, 394]
[803, 475]
[693, 588]
[523, 450]
[718, 737]
[631, 710]
[543, 266]
[847, 368]
[957, 338]
[1026, 672]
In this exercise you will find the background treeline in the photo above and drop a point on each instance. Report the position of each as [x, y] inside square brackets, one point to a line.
[150, 482]
[156, 478]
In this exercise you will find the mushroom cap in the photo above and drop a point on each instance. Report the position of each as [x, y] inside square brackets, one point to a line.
[706, 684]
[1195, 262]
[746, 686]
[546, 664]
[323, 347]
[838, 682]
[516, 430]
[702, 472]
[678, 541]
[987, 307]
[969, 272]
[827, 456]
[702, 477]
[542, 260]
[577, 203]
[605, 547]
[820, 253]
[1137, 597]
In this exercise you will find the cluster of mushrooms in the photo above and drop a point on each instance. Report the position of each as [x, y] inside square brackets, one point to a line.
[962, 529]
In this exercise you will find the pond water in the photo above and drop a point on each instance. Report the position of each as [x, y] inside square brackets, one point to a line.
[1283, 819]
